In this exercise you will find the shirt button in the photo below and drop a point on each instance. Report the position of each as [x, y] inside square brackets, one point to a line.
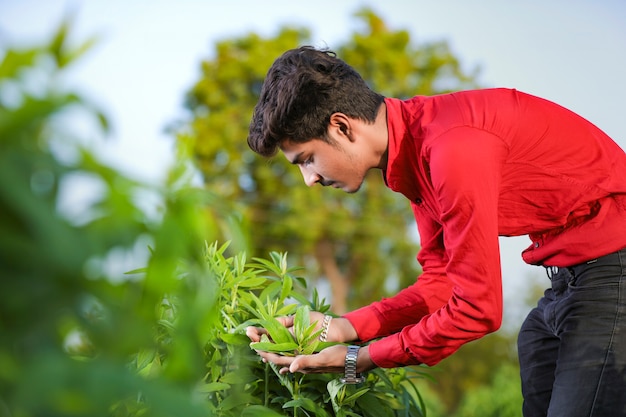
[418, 201]
[536, 244]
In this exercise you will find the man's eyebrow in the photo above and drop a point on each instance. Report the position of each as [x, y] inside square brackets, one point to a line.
[297, 159]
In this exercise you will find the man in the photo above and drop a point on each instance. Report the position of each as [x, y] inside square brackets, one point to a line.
[475, 165]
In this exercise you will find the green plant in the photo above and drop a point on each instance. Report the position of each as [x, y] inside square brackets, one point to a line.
[236, 382]
[303, 341]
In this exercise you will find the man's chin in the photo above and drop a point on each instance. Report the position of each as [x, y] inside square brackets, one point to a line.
[352, 190]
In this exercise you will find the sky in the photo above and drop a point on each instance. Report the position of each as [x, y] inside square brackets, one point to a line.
[572, 52]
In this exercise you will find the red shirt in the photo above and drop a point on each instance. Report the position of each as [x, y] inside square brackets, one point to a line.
[477, 165]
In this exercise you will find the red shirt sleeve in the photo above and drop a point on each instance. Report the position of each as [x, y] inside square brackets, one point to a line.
[458, 298]
[431, 291]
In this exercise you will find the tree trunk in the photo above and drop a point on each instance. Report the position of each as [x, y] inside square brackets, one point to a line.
[324, 253]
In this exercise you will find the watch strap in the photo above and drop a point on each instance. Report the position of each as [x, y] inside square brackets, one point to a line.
[351, 376]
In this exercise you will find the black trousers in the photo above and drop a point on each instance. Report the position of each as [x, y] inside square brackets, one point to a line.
[572, 346]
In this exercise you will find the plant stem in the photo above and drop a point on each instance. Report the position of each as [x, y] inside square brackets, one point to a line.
[296, 392]
[266, 386]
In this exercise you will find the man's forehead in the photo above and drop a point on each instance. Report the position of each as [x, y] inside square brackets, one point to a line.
[291, 144]
[288, 146]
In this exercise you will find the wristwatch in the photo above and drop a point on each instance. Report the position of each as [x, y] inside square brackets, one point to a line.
[351, 376]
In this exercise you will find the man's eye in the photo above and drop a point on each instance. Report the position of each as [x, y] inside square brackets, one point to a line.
[307, 161]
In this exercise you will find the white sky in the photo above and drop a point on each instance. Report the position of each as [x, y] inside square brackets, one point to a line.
[569, 51]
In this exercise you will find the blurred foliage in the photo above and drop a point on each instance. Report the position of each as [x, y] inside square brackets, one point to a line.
[473, 366]
[499, 396]
[69, 326]
[502, 397]
[362, 244]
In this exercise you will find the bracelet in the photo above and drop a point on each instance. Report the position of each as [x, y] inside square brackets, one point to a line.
[325, 326]
[351, 376]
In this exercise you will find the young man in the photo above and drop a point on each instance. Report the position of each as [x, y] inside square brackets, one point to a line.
[474, 165]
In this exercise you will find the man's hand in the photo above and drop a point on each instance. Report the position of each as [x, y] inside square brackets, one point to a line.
[329, 360]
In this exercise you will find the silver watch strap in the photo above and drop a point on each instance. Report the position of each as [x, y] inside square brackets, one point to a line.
[351, 376]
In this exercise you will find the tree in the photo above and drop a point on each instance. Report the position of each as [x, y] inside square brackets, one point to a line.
[501, 398]
[362, 244]
[474, 365]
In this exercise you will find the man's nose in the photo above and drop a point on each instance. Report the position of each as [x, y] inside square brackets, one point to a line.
[310, 177]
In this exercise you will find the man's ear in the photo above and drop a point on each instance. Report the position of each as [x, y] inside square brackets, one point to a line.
[342, 123]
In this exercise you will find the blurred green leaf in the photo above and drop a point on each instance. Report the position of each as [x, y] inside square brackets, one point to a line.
[16, 60]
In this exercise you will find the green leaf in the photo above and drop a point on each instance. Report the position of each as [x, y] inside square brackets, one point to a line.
[286, 288]
[236, 400]
[234, 377]
[287, 349]
[278, 333]
[267, 264]
[300, 322]
[323, 345]
[253, 282]
[334, 388]
[389, 402]
[372, 406]
[212, 387]
[136, 271]
[29, 116]
[234, 338]
[309, 348]
[286, 310]
[259, 411]
[272, 290]
[258, 310]
[357, 394]
[307, 404]
[284, 379]
[14, 61]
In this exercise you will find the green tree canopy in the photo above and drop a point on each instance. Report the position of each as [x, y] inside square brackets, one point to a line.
[362, 244]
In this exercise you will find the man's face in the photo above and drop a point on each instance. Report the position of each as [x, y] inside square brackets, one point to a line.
[337, 165]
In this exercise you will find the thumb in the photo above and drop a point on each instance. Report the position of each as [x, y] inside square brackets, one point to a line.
[298, 363]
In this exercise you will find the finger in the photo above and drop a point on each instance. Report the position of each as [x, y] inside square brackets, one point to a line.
[276, 359]
[331, 359]
[286, 321]
[254, 333]
[307, 364]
